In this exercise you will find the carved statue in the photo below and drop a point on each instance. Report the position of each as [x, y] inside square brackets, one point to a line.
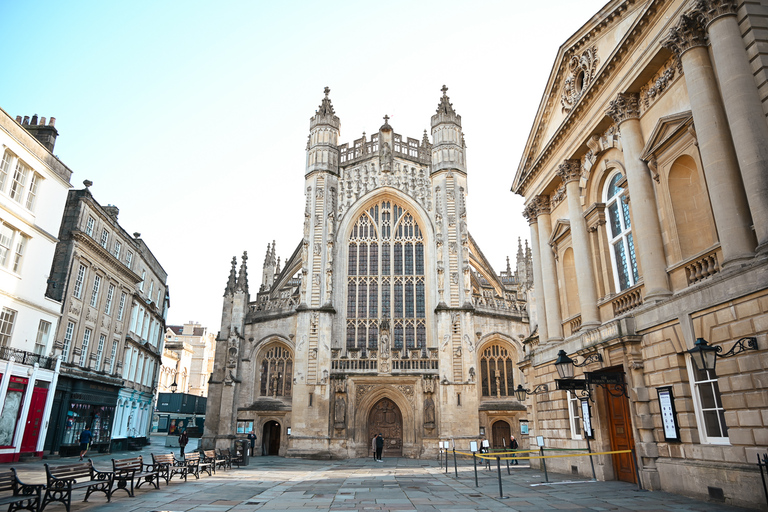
[384, 345]
[386, 157]
[429, 409]
[446, 339]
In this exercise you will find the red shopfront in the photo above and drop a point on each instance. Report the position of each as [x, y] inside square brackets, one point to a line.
[11, 427]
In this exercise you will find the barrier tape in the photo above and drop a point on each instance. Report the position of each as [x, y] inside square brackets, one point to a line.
[491, 457]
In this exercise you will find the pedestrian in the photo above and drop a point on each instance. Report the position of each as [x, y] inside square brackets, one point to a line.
[484, 448]
[379, 447]
[373, 447]
[183, 440]
[85, 441]
[513, 446]
[252, 439]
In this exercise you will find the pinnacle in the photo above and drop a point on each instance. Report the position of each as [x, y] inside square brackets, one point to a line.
[326, 108]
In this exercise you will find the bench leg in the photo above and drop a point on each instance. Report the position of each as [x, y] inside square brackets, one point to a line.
[62, 495]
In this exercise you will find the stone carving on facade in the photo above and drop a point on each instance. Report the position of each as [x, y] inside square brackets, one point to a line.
[598, 144]
[385, 157]
[328, 284]
[581, 72]
[340, 411]
[360, 391]
[357, 182]
[429, 412]
[316, 249]
[316, 279]
[470, 344]
[428, 384]
[626, 106]
[407, 390]
[300, 345]
[446, 339]
[653, 90]
[440, 279]
[455, 278]
[471, 374]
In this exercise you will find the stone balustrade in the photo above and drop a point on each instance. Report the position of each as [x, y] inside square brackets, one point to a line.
[702, 268]
[627, 300]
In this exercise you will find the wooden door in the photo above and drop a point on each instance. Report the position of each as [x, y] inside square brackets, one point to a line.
[34, 420]
[270, 438]
[620, 428]
[500, 435]
[385, 417]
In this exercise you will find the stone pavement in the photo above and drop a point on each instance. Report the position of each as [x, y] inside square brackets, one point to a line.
[274, 483]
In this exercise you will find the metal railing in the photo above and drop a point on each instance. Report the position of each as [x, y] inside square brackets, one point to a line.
[27, 358]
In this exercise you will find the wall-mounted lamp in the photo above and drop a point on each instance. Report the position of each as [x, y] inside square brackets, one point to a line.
[521, 392]
[565, 364]
[705, 355]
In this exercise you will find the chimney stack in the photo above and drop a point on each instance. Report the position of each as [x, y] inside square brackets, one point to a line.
[45, 133]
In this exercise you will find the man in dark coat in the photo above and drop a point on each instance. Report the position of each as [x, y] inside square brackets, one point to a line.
[379, 447]
[183, 440]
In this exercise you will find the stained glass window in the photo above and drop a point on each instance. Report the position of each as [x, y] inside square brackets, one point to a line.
[386, 241]
[276, 372]
[497, 370]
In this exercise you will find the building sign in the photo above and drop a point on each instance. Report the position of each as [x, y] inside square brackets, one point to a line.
[571, 384]
[605, 378]
[668, 414]
[587, 419]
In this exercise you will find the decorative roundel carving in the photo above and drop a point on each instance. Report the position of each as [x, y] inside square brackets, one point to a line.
[581, 72]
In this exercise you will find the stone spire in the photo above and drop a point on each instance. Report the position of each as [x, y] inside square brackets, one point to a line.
[268, 270]
[326, 108]
[230, 289]
[322, 151]
[445, 107]
[242, 279]
[448, 150]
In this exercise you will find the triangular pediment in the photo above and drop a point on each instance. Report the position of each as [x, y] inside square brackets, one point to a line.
[666, 130]
[562, 227]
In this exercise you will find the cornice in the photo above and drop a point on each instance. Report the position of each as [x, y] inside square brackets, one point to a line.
[104, 256]
[628, 43]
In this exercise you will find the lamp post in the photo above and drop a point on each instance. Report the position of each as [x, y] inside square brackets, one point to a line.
[521, 392]
[174, 386]
[705, 355]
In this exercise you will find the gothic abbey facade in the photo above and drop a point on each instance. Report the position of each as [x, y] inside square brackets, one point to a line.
[386, 318]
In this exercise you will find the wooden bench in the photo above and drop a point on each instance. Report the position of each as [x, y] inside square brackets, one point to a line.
[238, 458]
[227, 456]
[128, 471]
[167, 465]
[62, 480]
[195, 464]
[18, 495]
[216, 461]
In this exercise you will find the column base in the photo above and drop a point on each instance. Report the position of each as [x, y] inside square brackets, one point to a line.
[588, 326]
[738, 261]
[657, 295]
[554, 340]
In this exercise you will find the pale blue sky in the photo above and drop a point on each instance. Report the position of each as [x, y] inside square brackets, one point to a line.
[192, 117]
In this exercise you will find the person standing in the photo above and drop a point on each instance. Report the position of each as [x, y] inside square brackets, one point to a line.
[183, 440]
[252, 441]
[379, 447]
[85, 441]
[513, 445]
[373, 446]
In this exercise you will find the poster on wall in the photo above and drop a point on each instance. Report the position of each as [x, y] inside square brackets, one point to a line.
[587, 419]
[668, 414]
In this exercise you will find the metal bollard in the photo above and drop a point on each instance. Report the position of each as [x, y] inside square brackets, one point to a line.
[637, 472]
[591, 461]
[474, 459]
[498, 470]
[544, 463]
[455, 468]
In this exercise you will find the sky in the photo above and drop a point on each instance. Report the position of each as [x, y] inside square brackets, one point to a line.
[192, 117]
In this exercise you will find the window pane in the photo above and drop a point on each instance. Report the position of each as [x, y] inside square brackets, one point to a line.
[613, 217]
[632, 257]
[419, 259]
[398, 260]
[386, 301]
[408, 260]
[385, 248]
[614, 189]
[398, 300]
[625, 210]
[712, 424]
[350, 334]
[362, 299]
[409, 299]
[421, 335]
[410, 338]
[363, 268]
[621, 264]
[484, 376]
[374, 256]
[373, 297]
[373, 336]
[398, 342]
[351, 297]
[352, 270]
[707, 394]
[420, 309]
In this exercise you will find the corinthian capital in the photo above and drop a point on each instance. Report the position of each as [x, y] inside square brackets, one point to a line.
[569, 170]
[688, 33]
[710, 10]
[625, 106]
[541, 204]
[529, 212]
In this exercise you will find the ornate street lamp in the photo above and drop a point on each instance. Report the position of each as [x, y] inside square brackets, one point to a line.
[705, 355]
[174, 386]
[521, 392]
[564, 365]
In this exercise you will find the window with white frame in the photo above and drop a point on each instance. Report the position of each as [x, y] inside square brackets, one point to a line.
[112, 357]
[104, 237]
[143, 277]
[110, 295]
[710, 414]
[574, 415]
[5, 167]
[151, 288]
[7, 319]
[18, 257]
[84, 347]
[77, 291]
[95, 291]
[89, 226]
[619, 228]
[13, 244]
[128, 259]
[19, 182]
[100, 351]
[68, 334]
[34, 183]
[6, 243]
[121, 307]
[43, 332]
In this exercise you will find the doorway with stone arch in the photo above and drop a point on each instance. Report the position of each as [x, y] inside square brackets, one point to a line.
[385, 418]
[500, 434]
[270, 438]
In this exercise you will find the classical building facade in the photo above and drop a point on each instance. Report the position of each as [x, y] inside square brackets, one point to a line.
[114, 301]
[188, 358]
[646, 185]
[33, 189]
[386, 318]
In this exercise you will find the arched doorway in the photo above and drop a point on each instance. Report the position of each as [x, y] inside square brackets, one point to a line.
[385, 417]
[270, 438]
[500, 434]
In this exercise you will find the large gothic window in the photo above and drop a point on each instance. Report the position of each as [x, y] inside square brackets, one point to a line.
[276, 372]
[385, 278]
[497, 367]
[619, 229]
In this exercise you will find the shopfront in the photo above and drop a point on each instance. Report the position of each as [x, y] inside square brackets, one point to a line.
[80, 404]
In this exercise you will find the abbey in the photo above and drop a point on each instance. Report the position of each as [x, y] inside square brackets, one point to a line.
[386, 318]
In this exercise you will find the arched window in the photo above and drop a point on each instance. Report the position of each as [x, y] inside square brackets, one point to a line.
[385, 278]
[619, 229]
[497, 367]
[276, 376]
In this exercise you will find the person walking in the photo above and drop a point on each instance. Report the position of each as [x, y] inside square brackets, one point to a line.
[252, 440]
[379, 447]
[183, 440]
[373, 447]
[513, 445]
[85, 441]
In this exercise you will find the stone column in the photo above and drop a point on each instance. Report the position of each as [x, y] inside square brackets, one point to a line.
[538, 287]
[726, 191]
[548, 270]
[570, 172]
[625, 111]
[743, 108]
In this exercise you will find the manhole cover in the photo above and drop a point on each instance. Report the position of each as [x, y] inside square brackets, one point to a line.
[475, 495]
[253, 503]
